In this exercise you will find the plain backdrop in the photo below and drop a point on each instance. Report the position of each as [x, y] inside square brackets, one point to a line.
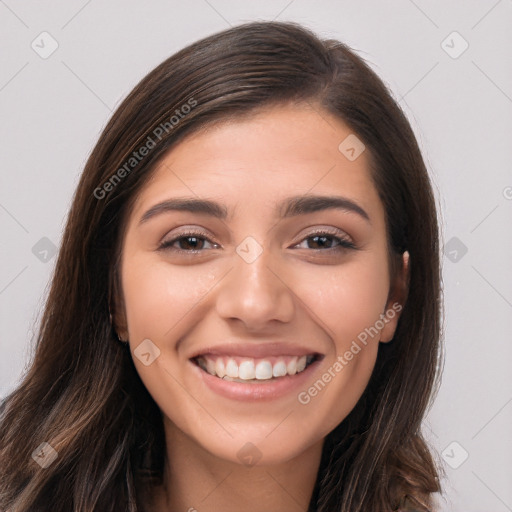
[65, 66]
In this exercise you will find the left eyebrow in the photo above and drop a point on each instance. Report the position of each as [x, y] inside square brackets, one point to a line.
[290, 207]
[301, 205]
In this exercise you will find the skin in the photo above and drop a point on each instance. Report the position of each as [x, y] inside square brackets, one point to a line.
[295, 291]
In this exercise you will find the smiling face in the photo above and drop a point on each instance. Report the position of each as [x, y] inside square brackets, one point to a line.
[258, 284]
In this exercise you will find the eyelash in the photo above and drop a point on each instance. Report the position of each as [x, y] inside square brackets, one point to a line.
[342, 242]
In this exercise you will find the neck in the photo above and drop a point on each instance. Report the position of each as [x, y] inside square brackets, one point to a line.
[197, 481]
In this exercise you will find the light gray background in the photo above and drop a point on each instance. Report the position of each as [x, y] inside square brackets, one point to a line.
[53, 109]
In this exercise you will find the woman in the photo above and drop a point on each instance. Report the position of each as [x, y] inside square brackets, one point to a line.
[245, 311]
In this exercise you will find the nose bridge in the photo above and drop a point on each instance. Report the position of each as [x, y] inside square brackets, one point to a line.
[253, 291]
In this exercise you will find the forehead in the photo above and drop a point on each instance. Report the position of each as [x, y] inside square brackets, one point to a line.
[262, 158]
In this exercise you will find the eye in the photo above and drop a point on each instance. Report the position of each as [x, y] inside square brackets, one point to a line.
[194, 242]
[191, 242]
[328, 241]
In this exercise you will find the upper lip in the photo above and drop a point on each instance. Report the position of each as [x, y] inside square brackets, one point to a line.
[255, 350]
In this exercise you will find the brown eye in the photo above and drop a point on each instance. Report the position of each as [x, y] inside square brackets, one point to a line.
[190, 242]
[187, 242]
[324, 240]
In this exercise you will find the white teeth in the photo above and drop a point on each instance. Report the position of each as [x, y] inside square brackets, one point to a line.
[219, 368]
[279, 369]
[291, 367]
[263, 370]
[246, 370]
[210, 367]
[301, 363]
[232, 368]
[251, 370]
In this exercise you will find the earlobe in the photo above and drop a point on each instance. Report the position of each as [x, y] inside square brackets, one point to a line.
[117, 313]
[119, 324]
[396, 300]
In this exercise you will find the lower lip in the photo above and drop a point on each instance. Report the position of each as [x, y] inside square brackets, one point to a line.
[267, 390]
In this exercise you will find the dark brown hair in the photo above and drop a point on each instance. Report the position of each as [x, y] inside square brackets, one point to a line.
[82, 394]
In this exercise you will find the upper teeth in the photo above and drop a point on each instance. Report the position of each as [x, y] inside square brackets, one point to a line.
[249, 369]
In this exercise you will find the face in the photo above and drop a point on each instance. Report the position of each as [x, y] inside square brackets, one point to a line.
[231, 266]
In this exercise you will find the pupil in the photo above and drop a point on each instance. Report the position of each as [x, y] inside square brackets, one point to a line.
[194, 243]
[323, 238]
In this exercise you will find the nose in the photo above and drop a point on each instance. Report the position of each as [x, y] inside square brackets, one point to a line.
[256, 293]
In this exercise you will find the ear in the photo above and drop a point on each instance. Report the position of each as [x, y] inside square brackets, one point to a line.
[117, 312]
[397, 297]
[119, 319]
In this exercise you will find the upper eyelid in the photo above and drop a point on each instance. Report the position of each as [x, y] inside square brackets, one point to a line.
[333, 232]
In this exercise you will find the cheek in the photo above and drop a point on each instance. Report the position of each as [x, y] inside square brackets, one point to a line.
[347, 298]
[347, 305]
[157, 296]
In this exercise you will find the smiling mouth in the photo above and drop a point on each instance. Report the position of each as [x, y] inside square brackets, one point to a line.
[254, 370]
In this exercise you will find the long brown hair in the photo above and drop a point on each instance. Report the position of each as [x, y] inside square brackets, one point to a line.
[82, 394]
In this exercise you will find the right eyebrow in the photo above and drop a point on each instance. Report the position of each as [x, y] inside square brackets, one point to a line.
[193, 205]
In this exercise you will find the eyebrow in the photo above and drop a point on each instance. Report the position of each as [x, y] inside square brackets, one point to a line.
[290, 207]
